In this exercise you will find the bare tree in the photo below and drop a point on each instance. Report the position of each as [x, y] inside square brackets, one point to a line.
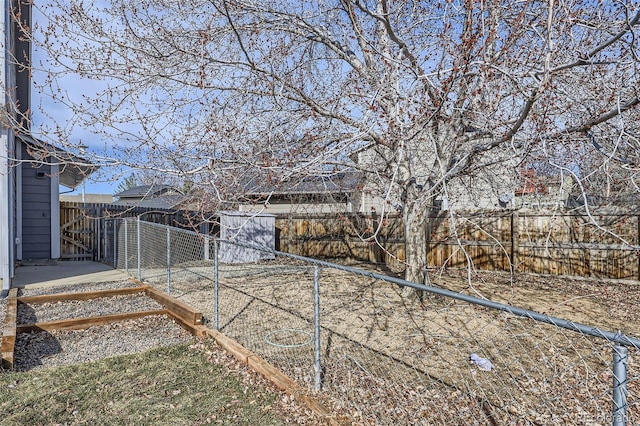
[443, 100]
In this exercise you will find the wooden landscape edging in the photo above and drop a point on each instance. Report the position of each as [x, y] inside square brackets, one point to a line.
[176, 308]
[187, 317]
[88, 295]
[184, 314]
[191, 320]
[9, 332]
[82, 323]
[274, 375]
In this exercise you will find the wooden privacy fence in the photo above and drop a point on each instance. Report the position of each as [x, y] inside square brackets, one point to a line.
[529, 242]
[558, 243]
[82, 228]
[342, 236]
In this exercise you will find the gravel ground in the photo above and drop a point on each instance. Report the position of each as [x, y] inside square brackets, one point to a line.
[95, 307]
[63, 347]
[76, 288]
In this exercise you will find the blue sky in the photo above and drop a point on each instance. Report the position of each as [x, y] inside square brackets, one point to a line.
[47, 113]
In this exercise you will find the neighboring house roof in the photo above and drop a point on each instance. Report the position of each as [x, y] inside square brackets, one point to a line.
[339, 183]
[73, 169]
[165, 202]
[152, 197]
[147, 191]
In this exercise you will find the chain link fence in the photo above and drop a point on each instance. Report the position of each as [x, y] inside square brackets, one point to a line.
[381, 358]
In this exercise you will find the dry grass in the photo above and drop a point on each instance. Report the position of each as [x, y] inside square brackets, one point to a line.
[392, 360]
[180, 385]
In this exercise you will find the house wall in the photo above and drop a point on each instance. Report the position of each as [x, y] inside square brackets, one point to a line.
[7, 144]
[6, 247]
[36, 209]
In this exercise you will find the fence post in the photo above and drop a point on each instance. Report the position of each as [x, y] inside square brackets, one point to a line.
[139, 254]
[97, 229]
[316, 323]
[105, 239]
[620, 359]
[126, 247]
[168, 260]
[216, 317]
[515, 241]
[115, 243]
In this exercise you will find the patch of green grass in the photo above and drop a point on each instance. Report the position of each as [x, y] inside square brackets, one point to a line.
[165, 386]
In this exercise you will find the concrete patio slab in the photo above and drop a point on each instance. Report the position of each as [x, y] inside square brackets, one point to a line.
[65, 273]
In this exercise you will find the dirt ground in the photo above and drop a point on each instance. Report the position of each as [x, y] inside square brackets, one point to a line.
[387, 359]
[606, 304]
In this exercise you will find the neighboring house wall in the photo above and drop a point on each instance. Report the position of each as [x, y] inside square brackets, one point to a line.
[490, 186]
[297, 208]
[87, 198]
[289, 206]
[556, 192]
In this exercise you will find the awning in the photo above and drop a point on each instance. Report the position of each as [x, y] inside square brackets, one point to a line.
[73, 169]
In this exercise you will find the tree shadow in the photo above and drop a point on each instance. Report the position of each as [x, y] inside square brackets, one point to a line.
[31, 348]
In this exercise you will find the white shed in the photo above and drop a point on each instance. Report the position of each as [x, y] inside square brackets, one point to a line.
[257, 229]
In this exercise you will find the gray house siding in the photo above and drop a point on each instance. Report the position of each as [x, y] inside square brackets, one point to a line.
[36, 210]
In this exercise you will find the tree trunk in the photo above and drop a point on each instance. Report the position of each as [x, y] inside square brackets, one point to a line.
[415, 219]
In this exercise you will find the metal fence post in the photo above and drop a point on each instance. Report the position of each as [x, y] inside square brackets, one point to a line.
[168, 260]
[216, 312]
[138, 244]
[620, 359]
[126, 247]
[316, 323]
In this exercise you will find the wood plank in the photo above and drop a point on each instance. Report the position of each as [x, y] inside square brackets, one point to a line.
[234, 348]
[274, 375]
[285, 383]
[196, 330]
[186, 312]
[82, 323]
[271, 373]
[87, 295]
[8, 343]
[75, 243]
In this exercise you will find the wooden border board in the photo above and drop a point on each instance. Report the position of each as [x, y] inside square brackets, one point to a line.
[87, 295]
[9, 331]
[177, 308]
[82, 323]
